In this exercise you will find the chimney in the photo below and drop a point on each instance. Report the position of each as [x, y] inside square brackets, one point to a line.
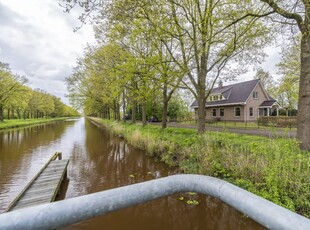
[220, 84]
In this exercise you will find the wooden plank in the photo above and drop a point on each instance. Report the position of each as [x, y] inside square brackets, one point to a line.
[50, 176]
[59, 182]
[32, 199]
[44, 186]
[39, 189]
[38, 194]
[45, 180]
[34, 178]
[55, 168]
[45, 175]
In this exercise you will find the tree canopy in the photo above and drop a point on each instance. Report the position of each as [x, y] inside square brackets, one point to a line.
[19, 101]
[204, 39]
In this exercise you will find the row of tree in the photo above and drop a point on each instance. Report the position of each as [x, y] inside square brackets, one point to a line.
[19, 101]
[163, 45]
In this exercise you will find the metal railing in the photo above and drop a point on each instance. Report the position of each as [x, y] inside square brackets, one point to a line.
[61, 213]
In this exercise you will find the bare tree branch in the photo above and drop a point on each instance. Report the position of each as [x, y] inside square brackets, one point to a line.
[286, 14]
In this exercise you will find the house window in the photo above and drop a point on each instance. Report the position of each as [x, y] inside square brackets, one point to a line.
[221, 112]
[213, 112]
[216, 97]
[255, 95]
[251, 112]
[237, 112]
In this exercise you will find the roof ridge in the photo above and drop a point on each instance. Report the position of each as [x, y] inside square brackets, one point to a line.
[231, 85]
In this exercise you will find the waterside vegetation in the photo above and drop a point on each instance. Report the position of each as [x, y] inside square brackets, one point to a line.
[17, 123]
[275, 169]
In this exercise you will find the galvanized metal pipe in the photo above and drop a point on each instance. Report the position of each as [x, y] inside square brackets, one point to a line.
[61, 213]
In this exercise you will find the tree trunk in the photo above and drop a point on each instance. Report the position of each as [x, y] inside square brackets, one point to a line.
[201, 112]
[18, 113]
[165, 108]
[117, 108]
[303, 121]
[25, 114]
[201, 96]
[109, 113]
[165, 116]
[124, 106]
[9, 114]
[1, 113]
[133, 112]
[144, 121]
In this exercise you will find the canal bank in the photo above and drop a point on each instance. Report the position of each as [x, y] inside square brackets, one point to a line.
[272, 168]
[101, 161]
[18, 123]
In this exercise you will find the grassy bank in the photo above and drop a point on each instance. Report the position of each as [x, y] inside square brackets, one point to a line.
[241, 125]
[273, 168]
[16, 123]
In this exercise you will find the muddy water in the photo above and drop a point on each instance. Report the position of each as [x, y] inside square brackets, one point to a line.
[98, 162]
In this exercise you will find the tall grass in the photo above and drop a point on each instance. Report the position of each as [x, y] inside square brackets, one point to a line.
[275, 169]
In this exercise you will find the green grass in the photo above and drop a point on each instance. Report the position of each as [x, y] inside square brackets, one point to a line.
[275, 169]
[16, 123]
[240, 125]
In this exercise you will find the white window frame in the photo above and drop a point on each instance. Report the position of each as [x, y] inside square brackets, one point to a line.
[213, 112]
[255, 95]
[236, 110]
[252, 112]
[223, 112]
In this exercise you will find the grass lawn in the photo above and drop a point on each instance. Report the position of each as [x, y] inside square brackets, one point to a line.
[275, 169]
[15, 123]
[240, 125]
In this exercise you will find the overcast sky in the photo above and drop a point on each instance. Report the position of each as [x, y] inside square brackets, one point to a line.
[37, 40]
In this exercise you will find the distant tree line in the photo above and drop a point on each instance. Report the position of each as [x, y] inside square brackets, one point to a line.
[19, 101]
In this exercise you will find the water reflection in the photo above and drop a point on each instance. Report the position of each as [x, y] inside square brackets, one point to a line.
[108, 162]
[22, 153]
[99, 161]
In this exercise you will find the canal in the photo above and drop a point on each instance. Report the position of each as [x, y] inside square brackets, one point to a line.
[100, 161]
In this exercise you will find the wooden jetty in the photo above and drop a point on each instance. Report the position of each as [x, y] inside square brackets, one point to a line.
[44, 186]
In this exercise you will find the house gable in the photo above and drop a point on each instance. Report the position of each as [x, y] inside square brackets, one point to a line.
[262, 94]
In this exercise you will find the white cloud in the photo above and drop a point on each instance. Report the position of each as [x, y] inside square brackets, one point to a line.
[270, 65]
[38, 41]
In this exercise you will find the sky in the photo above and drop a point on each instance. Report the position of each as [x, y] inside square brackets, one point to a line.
[37, 40]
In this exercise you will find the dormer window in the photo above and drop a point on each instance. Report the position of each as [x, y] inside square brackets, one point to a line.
[217, 97]
[255, 95]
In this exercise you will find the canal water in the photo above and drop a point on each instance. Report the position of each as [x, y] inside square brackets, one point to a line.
[100, 161]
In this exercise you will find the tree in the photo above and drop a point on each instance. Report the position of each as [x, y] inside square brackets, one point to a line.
[297, 13]
[266, 80]
[207, 36]
[289, 68]
[9, 85]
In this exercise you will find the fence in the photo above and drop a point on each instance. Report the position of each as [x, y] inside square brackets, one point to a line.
[280, 121]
